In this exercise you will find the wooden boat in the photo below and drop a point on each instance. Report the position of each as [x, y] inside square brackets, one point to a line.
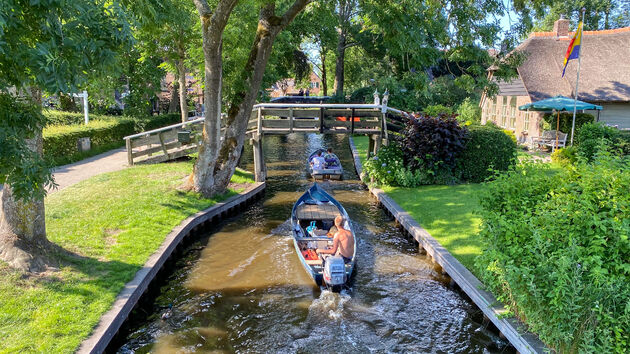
[318, 208]
[333, 169]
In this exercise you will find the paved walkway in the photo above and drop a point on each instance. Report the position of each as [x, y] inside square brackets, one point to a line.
[68, 175]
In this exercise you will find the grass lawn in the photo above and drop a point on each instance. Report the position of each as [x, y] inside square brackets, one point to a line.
[446, 212]
[113, 223]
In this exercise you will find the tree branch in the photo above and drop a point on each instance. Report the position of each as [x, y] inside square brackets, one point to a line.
[351, 44]
[203, 8]
[293, 11]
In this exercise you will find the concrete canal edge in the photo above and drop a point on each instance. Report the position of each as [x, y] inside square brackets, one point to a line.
[514, 330]
[113, 319]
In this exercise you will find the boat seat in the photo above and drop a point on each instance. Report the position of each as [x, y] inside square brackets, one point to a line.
[313, 262]
[327, 211]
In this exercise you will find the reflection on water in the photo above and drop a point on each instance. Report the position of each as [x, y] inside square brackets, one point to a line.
[242, 289]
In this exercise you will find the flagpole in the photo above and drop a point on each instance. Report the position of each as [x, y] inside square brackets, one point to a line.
[577, 81]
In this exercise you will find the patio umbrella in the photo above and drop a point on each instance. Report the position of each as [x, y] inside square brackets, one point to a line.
[558, 104]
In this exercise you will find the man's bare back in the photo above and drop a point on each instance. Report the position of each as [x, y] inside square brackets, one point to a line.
[343, 242]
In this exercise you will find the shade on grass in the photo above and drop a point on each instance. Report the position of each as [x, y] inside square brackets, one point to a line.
[112, 223]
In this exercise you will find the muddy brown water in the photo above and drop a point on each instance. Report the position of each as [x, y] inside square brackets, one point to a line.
[241, 288]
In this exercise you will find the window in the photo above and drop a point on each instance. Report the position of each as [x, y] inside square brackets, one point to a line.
[513, 112]
[526, 121]
[504, 112]
[493, 111]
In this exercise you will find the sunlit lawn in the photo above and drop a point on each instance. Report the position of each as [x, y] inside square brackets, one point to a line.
[113, 223]
[446, 212]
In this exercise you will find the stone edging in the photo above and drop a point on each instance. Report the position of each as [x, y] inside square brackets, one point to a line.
[111, 321]
[515, 331]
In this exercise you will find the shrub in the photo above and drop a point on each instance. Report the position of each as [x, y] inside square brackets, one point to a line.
[433, 144]
[556, 251]
[60, 141]
[565, 156]
[468, 112]
[566, 121]
[437, 109]
[68, 118]
[382, 167]
[510, 133]
[488, 148]
[593, 136]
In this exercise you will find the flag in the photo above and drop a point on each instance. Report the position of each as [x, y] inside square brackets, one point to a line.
[573, 52]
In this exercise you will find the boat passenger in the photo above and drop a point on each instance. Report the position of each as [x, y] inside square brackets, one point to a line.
[318, 162]
[330, 157]
[343, 242]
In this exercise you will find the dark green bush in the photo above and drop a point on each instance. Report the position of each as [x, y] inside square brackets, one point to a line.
[566, 121]
[382, 167]
[556, 251]
[488, 148]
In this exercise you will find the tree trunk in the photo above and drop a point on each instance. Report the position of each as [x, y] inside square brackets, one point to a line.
[172, 106]
[217, 160]
[339, 64]
[324, 76]
[23, 242]
[181, 71]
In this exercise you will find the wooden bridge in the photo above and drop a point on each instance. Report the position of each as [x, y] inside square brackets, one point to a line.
[182, 139]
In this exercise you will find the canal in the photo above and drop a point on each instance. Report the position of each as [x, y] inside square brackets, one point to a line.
[241, 288]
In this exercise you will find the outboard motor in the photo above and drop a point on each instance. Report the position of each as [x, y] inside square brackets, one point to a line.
[334, 271]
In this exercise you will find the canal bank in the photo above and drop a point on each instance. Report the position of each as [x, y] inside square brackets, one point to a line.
[514, 330]
[241, 287]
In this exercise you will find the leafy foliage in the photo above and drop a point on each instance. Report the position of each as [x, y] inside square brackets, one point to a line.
[20, 166]
[560, 238]
[382, 167]
[60, 142]
[433, 144]
[565, 156]
[488, 149]
[593, 137]
[566, 121]
[468, 112]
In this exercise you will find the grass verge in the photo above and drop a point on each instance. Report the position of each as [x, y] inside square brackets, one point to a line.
[448, 213]
[112, 223]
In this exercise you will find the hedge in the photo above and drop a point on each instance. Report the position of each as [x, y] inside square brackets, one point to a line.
[69, 118]
[488, 148]
[60, 141]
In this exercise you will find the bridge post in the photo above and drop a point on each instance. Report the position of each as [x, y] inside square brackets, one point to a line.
[377, 142]
[370, 145]
[260, 172]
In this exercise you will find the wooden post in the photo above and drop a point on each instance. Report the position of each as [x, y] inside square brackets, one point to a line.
[259, 170]
[377, 142]
[291, 120]
[352, 122]
[384, 129]
[162, 143]
[259, 126]
[370, 145]
[129, 152]
[321, 120]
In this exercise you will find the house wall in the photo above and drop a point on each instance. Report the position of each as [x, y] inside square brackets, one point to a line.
[503, 111]
[615, 114]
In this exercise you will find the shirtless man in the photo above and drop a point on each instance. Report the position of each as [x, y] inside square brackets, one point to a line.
[343, 242]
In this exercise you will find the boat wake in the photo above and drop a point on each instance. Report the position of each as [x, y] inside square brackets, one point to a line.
[330, 304]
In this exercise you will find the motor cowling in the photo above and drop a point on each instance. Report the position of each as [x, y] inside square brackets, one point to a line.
[334, 271]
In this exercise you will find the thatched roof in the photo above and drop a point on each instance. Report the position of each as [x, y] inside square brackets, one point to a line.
[605, 71]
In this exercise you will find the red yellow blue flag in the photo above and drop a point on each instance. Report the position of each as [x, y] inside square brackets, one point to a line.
[573, 52]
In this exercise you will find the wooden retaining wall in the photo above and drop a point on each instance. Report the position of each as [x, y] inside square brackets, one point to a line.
[113, 319]
[515, 331]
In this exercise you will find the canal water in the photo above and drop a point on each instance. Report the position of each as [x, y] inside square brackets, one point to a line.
[242, 288]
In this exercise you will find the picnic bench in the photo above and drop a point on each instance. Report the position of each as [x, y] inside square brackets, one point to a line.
[548, 139]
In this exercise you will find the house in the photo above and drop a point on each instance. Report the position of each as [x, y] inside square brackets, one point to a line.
[287, 87]
[193, 88]
[604, 79]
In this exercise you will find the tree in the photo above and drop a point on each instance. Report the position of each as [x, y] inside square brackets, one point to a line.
[347, 10]
[51, 46]
[218, 158]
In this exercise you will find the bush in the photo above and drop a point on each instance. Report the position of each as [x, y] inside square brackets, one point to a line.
[432, 145]
[382, 167]
[566, 121]
[437, 109]
[556, 251]
[488, 148]
[593, 136]
[60, 141]
[510, 133]
[469, 112]
[565, 156]
[68, 118]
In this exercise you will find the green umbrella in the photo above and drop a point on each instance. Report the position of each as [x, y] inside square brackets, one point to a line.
[558, 104]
